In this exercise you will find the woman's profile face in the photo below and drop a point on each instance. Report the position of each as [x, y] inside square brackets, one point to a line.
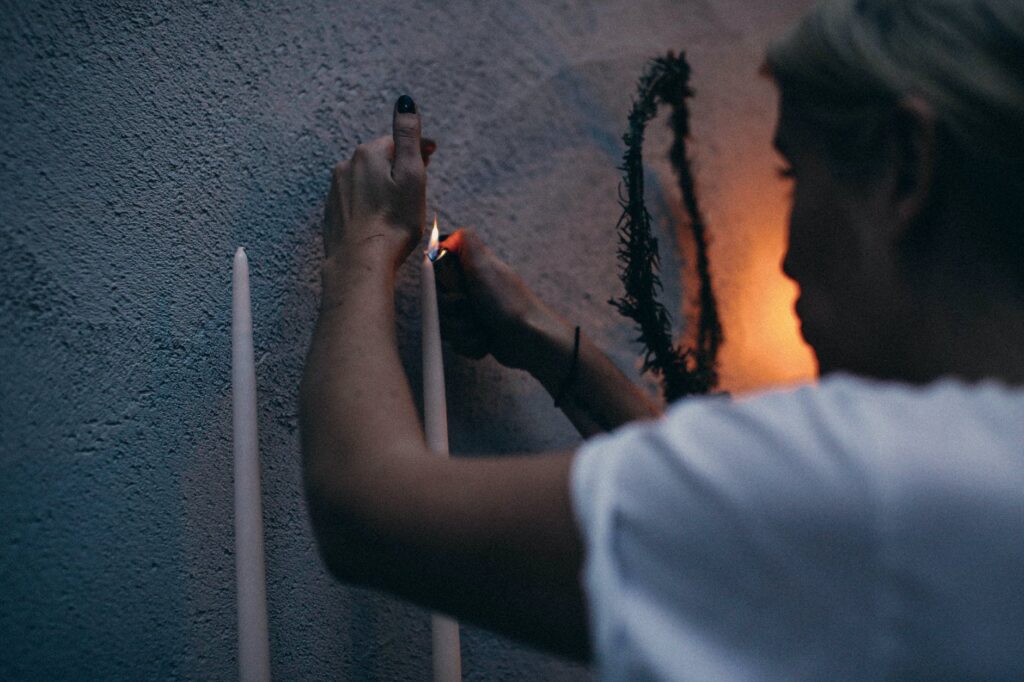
[832, 256]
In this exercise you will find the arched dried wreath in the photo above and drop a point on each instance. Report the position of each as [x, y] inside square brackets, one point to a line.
[683, 371]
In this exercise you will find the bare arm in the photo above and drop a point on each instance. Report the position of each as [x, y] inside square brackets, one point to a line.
[493, 541]
[596, 396]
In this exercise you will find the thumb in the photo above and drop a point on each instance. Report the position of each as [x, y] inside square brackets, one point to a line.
[408, 153]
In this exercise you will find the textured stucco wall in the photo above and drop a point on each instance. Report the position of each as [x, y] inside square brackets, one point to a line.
[141, 144]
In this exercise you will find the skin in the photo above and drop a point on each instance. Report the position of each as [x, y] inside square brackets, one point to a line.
[493, 540]
[490, 540]
[861, 307]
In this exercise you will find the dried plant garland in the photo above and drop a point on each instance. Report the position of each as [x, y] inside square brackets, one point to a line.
[683, 371]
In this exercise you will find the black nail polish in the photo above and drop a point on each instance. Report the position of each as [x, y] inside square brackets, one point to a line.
[405, 105]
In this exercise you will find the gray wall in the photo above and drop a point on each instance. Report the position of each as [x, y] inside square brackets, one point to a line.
[141, 146]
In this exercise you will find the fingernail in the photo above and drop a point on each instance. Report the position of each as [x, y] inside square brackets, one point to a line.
[405, 105]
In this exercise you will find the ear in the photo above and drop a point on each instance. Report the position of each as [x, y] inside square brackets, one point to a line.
[912, 159]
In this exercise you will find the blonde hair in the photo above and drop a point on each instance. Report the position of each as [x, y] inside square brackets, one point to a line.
[963, 57]
[848, 61]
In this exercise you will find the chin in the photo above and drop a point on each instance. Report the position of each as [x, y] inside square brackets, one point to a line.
[825, 356]
[815, 347]
[819, 369]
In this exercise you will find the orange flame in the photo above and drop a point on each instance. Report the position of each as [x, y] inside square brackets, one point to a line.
[432, 247]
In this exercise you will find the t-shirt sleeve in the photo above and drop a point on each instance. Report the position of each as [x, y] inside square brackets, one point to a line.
[723, 540]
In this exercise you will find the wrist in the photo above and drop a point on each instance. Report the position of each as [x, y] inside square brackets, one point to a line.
[549, 349]
[378, 240]
[356, 271]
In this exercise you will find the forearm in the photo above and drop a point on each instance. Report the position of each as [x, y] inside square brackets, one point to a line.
[596, 396]
[487, 539]
[357, 411]
[493, 540]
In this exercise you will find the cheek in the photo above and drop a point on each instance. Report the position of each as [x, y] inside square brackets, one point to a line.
[821, 250]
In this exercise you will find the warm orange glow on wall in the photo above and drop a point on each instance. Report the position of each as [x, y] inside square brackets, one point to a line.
[763, 344]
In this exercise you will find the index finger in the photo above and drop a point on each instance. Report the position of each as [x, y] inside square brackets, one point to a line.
[406, 131]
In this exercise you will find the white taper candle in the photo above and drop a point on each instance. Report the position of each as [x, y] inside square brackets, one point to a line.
[253, 644]
[445, 631]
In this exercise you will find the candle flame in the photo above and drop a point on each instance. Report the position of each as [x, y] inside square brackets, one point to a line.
[432, 248]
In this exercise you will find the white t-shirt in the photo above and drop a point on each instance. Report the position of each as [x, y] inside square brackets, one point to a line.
[850, 530]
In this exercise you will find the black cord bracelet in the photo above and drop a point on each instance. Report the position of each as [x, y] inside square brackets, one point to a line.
[571, 376]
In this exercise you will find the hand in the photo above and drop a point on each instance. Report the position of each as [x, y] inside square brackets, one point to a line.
[488, 308]
[377, 199]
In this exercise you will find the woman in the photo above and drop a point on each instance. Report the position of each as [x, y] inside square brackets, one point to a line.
[868, 526]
